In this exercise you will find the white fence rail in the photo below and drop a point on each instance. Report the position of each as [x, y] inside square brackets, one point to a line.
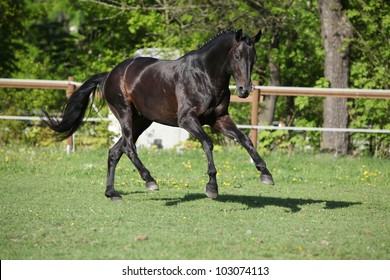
[241, 126]
[331, 129]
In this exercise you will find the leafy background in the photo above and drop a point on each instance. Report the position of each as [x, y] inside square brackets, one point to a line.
[60, 38]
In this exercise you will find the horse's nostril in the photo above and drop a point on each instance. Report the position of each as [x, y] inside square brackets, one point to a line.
[244, 90]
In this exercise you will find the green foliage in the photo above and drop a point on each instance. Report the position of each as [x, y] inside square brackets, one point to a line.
[272, 140]
[371, 47]
[12, 14]
[370, 70]
[150, 23]
[16, 102]
[373, 114]
[300, 52]
[60, 38]
[306, 113]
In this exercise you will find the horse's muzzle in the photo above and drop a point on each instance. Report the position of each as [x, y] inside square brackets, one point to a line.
[244, 91]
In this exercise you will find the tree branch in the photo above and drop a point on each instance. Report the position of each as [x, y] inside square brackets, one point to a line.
[125, 7]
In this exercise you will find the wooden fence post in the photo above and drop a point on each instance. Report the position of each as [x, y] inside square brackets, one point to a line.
[70, 90]
[254, 115]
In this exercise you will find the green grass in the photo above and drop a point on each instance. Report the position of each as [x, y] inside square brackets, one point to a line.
[322, 207]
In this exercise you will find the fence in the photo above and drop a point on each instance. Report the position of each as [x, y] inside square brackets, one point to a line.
[315, 92]
[70, 86]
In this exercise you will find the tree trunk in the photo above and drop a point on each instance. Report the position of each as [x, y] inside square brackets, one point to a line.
[335, 30]
[268, 110]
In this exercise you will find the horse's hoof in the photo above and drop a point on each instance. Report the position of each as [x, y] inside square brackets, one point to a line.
[211, 192]
[152, 186]
[113, 195]
[267, 179]
[116, 198]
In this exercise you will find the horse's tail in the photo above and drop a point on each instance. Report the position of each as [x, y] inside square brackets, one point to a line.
[75, 108]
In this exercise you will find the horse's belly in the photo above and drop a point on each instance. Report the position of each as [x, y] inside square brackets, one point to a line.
[158, 107]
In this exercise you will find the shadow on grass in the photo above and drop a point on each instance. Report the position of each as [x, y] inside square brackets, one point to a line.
[293, 204]
[125, 193]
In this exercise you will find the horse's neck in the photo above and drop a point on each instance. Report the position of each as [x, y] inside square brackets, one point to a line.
[219, 50]
[214, 59]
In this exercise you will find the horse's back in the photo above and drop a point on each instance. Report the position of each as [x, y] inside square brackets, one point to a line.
[146, 83]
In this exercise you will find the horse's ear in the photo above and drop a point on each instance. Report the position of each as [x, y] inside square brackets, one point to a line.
[238, 35]
[257, 37]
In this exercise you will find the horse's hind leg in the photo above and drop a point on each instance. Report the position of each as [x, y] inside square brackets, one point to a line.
[114, 156]
[130, 132]
[140, 124]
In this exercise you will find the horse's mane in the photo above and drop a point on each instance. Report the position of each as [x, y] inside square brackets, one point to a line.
[220, 33]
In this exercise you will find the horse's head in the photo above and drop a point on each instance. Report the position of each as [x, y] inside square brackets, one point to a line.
[241, 59]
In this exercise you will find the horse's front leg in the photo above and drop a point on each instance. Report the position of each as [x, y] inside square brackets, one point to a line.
[227, 127]
[192, 125]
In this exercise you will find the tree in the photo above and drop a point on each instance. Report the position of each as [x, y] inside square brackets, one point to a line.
[336, 31]
[370, 69]
[292, 53]
[11, 15]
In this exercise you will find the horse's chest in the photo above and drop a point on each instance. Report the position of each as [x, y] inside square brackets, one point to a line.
[216, 106]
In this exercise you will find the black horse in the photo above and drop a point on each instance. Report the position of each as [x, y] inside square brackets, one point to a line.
[189, 92]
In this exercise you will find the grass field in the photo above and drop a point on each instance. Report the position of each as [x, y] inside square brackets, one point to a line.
[322, 207]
